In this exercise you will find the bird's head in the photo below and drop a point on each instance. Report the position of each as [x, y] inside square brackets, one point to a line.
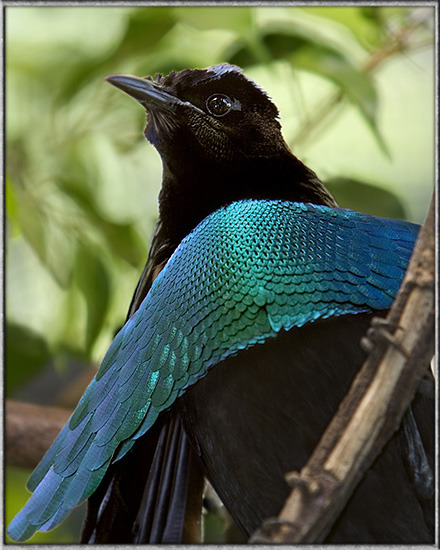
[220, 141]
[217, 109]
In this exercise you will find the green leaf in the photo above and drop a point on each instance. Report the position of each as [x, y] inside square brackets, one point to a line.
[121, 238]
[32, 226]
[124, 241]
[145, 29]
[92, 280]
[60, 252]
[79, 75]
[239, 53]
[11, 207]
[315, 54]
[353, 82]
[26, 354]
[10, 199]
[363, 21]
[238, 19]
[366, 197]
[281, 44]
[280, 39]
[51, 241]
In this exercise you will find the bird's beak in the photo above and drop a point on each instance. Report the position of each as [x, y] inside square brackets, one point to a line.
[146, 92]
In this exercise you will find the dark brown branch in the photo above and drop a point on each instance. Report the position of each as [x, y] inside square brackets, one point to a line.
[29, 431]
[370, 413]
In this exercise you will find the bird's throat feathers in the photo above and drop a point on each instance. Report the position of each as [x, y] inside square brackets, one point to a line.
[192, 190]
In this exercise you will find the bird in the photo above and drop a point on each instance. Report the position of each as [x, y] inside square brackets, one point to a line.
[241, 339]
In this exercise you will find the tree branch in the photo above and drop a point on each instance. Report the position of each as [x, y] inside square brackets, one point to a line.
[30, 431]
[370, 413]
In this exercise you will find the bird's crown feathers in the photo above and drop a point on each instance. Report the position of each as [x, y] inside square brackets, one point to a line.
[223, 77]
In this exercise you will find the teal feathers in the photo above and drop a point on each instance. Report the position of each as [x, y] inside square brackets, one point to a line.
[246, 272]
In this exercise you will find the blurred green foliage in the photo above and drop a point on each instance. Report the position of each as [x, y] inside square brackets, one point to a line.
[355, 88]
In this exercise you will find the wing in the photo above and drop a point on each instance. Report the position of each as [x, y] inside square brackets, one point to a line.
[146, 497]
[246, 272]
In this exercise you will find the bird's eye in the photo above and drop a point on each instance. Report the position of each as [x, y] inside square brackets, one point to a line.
[219, 105]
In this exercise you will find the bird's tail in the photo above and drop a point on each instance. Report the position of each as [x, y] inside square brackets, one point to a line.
[152, 495]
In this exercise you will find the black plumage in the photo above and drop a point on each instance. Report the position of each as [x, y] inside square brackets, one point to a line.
[203, 169]
[277, 398]
[259, 412]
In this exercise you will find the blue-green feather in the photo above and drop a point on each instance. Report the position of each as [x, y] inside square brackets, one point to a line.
[246, 272]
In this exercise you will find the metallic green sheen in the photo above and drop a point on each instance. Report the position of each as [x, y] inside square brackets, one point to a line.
[246, 272]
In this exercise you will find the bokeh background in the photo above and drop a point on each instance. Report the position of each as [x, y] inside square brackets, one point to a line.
[355, 89]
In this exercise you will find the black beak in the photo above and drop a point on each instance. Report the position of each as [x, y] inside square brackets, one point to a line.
[146, 92]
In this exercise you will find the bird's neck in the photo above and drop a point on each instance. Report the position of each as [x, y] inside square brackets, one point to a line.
[195, 188]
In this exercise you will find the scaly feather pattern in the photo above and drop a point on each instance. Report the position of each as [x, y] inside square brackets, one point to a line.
[246, 272]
